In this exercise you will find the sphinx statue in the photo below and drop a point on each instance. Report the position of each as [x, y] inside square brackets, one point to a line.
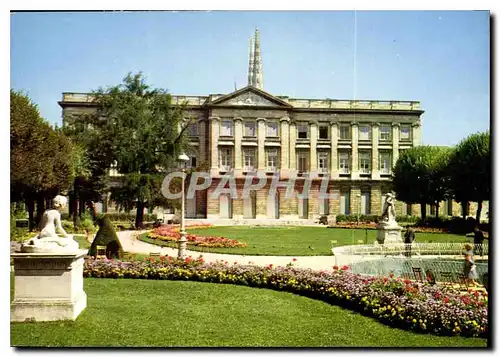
[48, 241]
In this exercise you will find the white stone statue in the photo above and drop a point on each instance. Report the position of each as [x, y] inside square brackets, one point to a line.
[48, 241]
[389, 212]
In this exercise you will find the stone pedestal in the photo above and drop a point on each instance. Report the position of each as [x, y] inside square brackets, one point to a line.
[389, 234]
[48, 286]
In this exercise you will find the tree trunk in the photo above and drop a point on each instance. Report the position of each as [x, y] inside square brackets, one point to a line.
[478, 212]
[40, 208]
[31, 217]
[423, 211]
[139, 216]
[437, 209]
[464, 209]
[81, 206]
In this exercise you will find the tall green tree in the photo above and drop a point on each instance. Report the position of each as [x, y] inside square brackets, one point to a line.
[140, 130]
[469, 171]
[40, 156]
[419, 176]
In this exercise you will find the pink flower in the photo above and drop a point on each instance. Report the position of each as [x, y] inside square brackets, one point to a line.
[335, 267]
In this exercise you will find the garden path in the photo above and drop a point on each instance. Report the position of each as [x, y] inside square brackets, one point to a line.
[131, 244]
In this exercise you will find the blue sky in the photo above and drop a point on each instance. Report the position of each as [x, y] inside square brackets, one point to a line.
[440, 58]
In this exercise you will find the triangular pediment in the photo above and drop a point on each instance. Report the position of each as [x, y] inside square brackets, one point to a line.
[250, 96]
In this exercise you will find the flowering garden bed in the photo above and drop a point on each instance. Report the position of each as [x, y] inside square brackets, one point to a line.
[171, 234]
[373, 225]
[397, 302]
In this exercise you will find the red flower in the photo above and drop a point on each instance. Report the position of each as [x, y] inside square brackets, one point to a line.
[152, 259]
[407, 281]
[270, 266]
[446, 300]
[162, 258]
[385, 280]
[201, 260]
[294, 259]
[145, 258]
[476, 294]
[345, 267]
[235, 262]
[365, 281]
[335, 267]
[391, 275]
[437, 295]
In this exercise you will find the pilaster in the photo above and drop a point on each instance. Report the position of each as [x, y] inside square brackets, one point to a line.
[214, 150]
[395, 143]
[293, 139]
[238, 135]
[313, 167]
[375, 153]
[334, 172]
[354, 152]
[285, 149]
[261, 139]
[416, 134]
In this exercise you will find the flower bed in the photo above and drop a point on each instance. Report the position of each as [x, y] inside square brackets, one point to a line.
[171, 234]
[397, 302]
[373, 225]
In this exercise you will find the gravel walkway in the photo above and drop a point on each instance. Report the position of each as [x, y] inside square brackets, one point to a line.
[131, 244]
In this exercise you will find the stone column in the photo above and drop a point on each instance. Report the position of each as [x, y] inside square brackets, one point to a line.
[285, 149]
[376, 199]
[238, 135]
[395, 143]
[261, 139]
[313, 167]
[214, 149]
[334, 164]
[293, 138]
[375, 153]
[354, 152]
[416, 137]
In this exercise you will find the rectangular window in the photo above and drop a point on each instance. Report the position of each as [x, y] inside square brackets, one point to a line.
[193, 129]
[302, 130]
[345, 202]
[364, 132]
[385, 132]
[249, 129]
[385, 161]
[226, 158]
[226, 128]
[405, 132]
[365, 162]
[323, 132]
[344, 162]
[365, 202]
[249, 159]
[192, 162]
[345, 132]
[303, 161]
[272, 159]
[272, 129]
[323, 161]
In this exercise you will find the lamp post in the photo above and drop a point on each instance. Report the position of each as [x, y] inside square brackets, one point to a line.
[183, 159]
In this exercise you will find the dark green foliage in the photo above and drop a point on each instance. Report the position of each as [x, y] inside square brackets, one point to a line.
[136, 128]
[118, 217]
[106, 236]
[469, 170]
[41, 157]
[420, 176]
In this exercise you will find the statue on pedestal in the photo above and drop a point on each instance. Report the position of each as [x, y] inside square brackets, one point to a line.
[48, 241]
[389, 212]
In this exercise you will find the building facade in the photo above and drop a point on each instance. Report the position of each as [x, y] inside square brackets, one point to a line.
[351, 143]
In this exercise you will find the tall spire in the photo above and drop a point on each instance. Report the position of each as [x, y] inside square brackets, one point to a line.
[251, 79]
[257, 72]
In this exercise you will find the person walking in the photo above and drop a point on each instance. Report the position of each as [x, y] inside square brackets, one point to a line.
[470, 271]
[409, 238]
[478, 241]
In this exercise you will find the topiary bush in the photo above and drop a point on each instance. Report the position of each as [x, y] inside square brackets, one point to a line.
[106, 236]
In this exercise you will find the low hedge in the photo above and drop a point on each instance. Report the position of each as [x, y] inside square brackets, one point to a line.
[368, 218]
[394, 301]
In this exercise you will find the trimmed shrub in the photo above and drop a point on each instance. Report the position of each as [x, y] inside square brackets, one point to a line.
[106, 236]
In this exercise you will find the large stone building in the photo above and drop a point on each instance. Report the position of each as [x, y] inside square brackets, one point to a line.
[353, 143]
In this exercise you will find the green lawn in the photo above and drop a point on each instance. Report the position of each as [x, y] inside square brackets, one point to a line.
[179, 313]
[296, 241]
